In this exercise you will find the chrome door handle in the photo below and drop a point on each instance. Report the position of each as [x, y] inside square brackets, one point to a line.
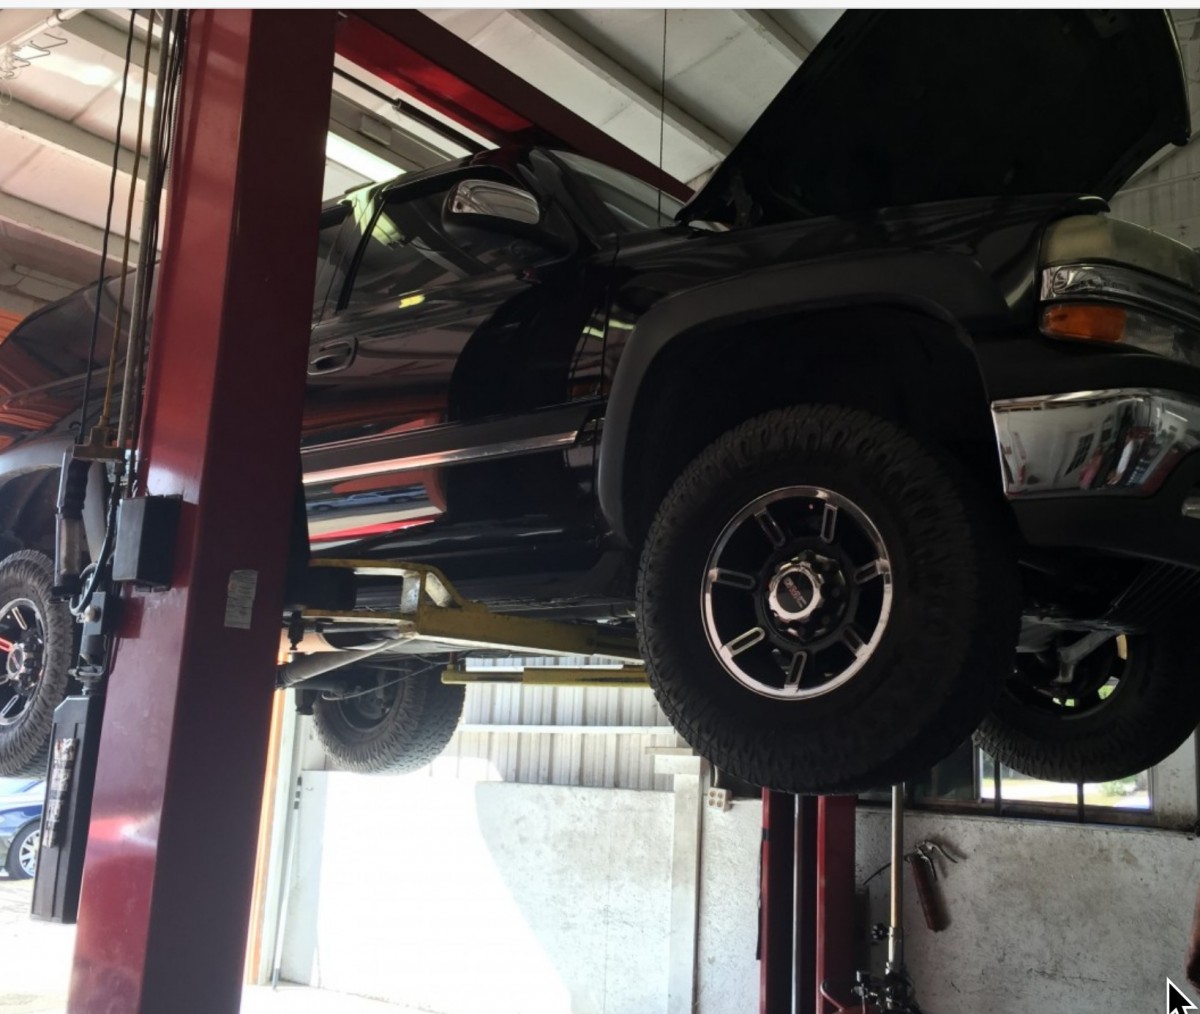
[331, 357]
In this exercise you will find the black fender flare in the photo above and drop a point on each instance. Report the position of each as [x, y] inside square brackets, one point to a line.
[950, 291]
[44, 454]
[40, 454]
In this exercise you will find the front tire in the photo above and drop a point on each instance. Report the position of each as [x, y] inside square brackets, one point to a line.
[1132, 703]
[21, 862]
[396, 721]
[827, 533]
[36, 651]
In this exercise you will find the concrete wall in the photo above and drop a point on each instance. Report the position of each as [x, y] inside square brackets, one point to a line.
[461, 898]
[1165, 194]
[1045, 917]
[726, 968]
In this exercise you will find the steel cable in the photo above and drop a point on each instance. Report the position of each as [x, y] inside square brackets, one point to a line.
[114, 351]
[170, 71]
[107, 233]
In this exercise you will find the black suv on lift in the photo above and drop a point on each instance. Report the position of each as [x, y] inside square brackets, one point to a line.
[888, 432]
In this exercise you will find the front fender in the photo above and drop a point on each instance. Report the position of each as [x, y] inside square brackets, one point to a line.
[37, 455]
[950, 291]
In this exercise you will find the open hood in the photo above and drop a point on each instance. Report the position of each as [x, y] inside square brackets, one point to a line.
[902, 107]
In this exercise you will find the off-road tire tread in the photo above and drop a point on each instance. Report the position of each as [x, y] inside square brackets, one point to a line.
[25, 746]
[412, 735]
[1131, 732]
[945, 671]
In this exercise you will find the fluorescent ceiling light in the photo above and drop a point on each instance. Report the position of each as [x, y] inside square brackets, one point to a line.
[359, 160]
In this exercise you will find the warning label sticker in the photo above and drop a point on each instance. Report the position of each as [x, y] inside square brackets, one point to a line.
[239, 601]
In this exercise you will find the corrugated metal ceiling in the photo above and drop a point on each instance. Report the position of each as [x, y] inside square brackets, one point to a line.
[694, 96]
[59, 112]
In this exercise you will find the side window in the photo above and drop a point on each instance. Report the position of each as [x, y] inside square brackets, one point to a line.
[329, 275]
[408, 252]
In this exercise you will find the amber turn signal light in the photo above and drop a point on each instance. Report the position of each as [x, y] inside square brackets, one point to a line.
[1085, 321]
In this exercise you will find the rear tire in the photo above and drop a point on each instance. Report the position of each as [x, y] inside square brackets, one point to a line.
[925, 669]
[1152, 708]
[401, 724]
[34, 679]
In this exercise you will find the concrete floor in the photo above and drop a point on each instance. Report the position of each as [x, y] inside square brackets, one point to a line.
[35, 958]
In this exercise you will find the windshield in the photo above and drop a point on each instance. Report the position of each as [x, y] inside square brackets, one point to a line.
[637, 206]
[17, 786]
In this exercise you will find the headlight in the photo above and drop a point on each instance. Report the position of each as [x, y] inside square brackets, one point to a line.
[1112, 304]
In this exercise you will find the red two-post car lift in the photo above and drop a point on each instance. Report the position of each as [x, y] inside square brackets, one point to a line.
[165, 905]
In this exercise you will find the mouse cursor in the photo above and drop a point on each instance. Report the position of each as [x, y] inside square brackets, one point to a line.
[1177, 1000]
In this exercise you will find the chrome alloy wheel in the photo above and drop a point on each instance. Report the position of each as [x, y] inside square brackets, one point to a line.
[797, 593]
[27, 857]
[22, 653]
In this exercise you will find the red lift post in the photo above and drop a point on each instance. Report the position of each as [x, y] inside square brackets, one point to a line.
[169, 869]
[167, 884]
[806, 928]
[834, 896]
[778, 914]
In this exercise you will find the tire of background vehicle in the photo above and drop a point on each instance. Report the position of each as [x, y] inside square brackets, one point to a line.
[942, 651]
[1153, 708]
[25, 580]
[21, 863]
[401, 727]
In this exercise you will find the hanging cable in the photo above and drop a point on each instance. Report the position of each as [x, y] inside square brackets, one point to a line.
[107, 234]
[170, 68]
[114, 351]
[161, 140]
[662, 110]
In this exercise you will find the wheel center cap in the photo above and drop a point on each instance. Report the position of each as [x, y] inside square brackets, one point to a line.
[16, 660]
[794, 593]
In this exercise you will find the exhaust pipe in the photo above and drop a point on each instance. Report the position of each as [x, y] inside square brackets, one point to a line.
[326, 661]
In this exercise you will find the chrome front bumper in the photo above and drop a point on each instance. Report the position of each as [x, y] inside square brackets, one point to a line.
[1094, 441]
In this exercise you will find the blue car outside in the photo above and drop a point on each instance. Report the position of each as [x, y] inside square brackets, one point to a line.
[21, 802]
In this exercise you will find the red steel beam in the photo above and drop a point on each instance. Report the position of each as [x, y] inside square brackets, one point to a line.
[806, 985]
[835, 897]
[170, 863]
[419, 57]
[776, 934]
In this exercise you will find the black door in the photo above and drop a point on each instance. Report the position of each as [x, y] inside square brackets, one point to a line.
[450, 388]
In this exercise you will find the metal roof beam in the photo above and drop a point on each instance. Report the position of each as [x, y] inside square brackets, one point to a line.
[417, 56]
[621, 78]
[775, 35]
[351, 122]
[55, 133]
[104, 36]
[17, 22]
[60, 227]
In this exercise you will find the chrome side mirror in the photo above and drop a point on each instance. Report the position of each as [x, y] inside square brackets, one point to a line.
[478, 212]
[492, 200]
